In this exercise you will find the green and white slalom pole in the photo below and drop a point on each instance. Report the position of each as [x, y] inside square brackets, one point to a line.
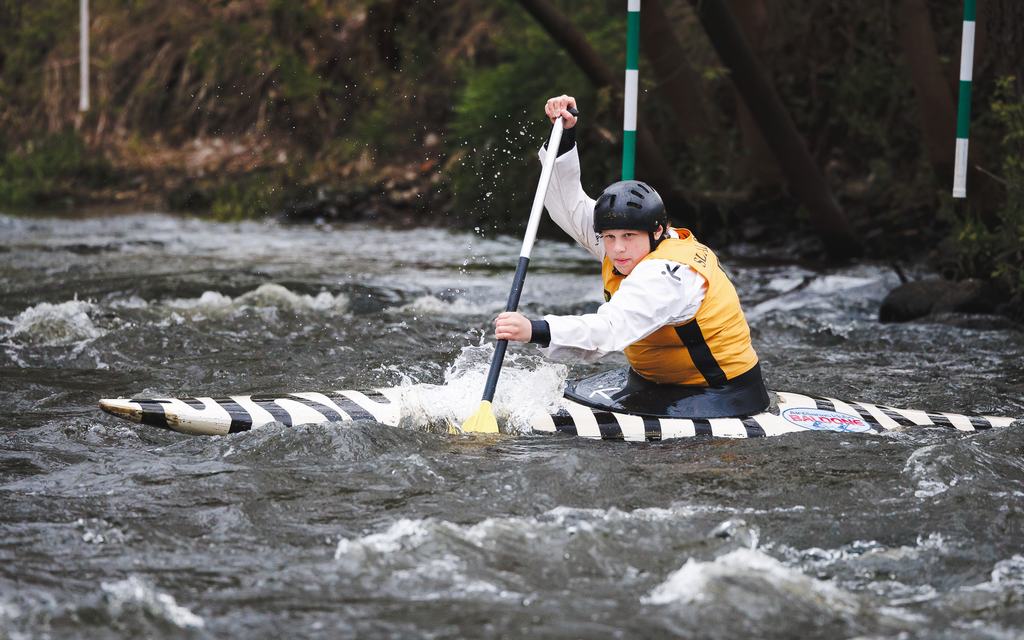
[632, 87]
[83, 55]
[963, 116]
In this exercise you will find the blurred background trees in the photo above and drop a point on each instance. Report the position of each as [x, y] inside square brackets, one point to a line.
[430, 112]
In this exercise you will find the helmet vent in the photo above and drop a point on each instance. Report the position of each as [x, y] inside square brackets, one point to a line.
[637, 193]
[635, 205]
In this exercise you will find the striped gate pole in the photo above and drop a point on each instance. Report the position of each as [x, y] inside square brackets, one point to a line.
[963, 116]
[632, 86]
[83, 55]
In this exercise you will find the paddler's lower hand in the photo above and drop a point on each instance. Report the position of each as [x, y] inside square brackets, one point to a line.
[513, 326]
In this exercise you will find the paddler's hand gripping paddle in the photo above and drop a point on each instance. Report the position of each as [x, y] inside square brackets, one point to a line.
[483, 421]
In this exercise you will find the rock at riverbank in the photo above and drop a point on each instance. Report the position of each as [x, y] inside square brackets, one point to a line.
[913, 300]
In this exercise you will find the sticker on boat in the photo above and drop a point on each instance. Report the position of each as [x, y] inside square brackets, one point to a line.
[822, 420]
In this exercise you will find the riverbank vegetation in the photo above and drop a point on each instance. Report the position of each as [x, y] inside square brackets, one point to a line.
[428, 112]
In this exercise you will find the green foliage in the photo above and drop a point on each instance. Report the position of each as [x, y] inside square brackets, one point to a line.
[857, 111]
[354, 88]
[234, 75]
[375, 124]
[252, 195]
[499, 122]
[29, 33]
[44, 170]
[1009, 267]
[993, 246]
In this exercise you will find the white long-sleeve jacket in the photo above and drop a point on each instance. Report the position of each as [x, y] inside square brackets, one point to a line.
[649, 298]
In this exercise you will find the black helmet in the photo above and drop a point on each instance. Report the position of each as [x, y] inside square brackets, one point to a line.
[629, 204]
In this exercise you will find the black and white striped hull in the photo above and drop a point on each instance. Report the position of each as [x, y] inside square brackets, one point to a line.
[795, 413]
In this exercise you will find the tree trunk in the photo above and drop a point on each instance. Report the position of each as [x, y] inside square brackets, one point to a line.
[1005, 31]
[677, 80]
[803, 176]
[759, 163]
[562, 31]
[934, 101]
[1000, 29]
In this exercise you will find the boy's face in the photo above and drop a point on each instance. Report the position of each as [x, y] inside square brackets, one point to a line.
[627, 247]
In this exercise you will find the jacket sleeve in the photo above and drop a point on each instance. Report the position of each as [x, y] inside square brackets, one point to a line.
[655, 294]
[569, 206]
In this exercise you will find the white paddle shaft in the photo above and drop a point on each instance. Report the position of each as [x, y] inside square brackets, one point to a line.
[542, 188]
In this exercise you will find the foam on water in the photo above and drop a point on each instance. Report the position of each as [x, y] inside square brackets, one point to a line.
[746, 571]
[402, 534]
[430, 558]
[555, 526]
[133, 594]
[47, 324]
[270, 295]
[528, 385]
[123, 608]
[898, 576]
[99, 531]
[412, 558]
[820, 295]
[921, 468]
[785, 284]
[133, 302]
[959, 466]
[432, 305]
[407, 535]
[267, 301]
[862, 564]
[1006, 574]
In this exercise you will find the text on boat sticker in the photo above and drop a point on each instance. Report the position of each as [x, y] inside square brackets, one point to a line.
[825, 420]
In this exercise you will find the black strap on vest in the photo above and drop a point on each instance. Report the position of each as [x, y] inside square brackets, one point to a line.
[694, 342]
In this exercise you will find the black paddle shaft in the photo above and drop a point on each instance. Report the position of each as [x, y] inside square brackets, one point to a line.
[536, 211]
[502, 345]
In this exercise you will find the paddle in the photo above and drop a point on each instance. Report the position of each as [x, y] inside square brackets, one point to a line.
[483, 421]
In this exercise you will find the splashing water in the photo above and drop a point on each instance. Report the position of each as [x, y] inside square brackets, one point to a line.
[266, 296]
[48, 324]
[126, 597]
[528, 385]
[432, 305]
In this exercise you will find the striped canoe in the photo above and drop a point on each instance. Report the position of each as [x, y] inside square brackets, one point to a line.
[792, 413]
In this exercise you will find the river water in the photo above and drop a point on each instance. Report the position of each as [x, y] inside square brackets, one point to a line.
[116, 530]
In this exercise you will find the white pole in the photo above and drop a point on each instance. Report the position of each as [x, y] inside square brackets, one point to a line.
[83, 56]
[963, 116]
[632, 88]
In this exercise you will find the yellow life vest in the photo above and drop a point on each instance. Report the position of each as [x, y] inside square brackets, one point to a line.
[708, 350]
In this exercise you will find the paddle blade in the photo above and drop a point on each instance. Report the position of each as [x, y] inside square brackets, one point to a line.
[483, 421]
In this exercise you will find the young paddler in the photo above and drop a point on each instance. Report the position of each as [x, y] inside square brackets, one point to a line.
[669, 305]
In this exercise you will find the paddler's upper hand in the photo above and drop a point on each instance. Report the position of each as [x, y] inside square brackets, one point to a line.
[513, 326]
[560, 107]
